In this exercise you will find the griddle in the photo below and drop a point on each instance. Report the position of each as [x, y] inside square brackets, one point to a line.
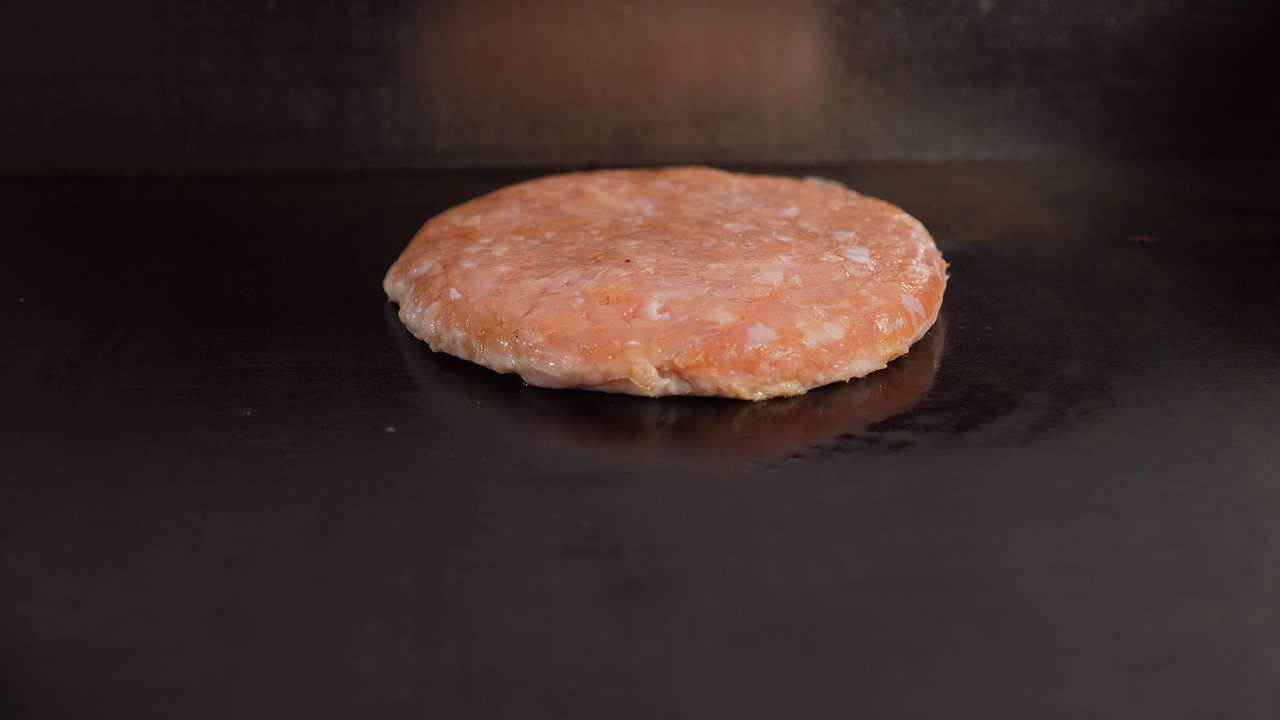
[232, 485]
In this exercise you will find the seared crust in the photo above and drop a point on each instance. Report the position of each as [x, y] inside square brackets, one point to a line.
[672, 281]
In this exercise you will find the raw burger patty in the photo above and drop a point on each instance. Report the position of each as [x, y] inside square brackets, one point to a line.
[672, 281]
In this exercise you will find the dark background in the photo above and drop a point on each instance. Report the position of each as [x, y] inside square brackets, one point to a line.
[233, 486]
[106, 86]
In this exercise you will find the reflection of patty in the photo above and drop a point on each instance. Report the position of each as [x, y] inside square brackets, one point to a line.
[709, 428]
[678, 281]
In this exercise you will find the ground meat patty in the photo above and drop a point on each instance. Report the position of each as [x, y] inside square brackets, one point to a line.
[672, 281]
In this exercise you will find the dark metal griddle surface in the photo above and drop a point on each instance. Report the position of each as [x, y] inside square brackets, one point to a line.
[233, 486]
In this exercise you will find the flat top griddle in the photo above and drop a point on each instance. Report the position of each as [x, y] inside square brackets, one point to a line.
[231, 485]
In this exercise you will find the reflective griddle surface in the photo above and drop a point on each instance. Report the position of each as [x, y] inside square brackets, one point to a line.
[231, 485]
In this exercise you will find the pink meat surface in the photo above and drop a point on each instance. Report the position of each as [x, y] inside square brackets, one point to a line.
[672, 281]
